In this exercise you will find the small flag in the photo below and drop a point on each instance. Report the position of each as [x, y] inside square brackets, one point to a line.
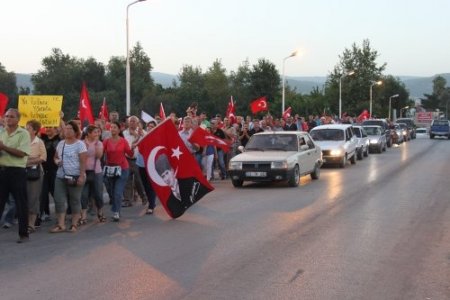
[231, 111]
[287, 113]
[147, 118]
[162, 113]
[259, 104]
[85, 108]
[203, 138]
[103, 114]
[3, 103]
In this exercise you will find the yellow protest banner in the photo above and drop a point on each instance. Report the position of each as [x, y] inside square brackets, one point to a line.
[43, 108]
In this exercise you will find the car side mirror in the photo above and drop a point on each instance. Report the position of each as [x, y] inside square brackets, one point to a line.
[240, 149]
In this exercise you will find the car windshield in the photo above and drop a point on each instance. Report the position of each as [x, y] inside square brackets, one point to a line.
[273, 142]
[327, 134]
[372, 130]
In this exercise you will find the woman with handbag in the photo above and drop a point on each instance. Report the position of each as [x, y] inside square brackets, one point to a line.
[93, 187]
[38, 154]
[70, 157]
[116, 168]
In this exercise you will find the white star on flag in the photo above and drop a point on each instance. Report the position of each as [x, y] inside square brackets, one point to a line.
[176, 152]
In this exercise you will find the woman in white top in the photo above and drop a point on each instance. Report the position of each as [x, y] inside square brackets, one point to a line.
[38, 154]
[70, 157]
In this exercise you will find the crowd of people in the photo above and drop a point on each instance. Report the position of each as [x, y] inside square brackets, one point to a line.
[72, 164]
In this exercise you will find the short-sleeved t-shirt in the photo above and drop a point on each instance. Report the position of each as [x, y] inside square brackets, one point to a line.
[70, 158]
[19, 139]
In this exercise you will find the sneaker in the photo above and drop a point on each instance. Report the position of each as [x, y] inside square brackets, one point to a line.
[7, 225]
[116, 217]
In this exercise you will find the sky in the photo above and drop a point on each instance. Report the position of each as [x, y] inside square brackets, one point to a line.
[411, 36]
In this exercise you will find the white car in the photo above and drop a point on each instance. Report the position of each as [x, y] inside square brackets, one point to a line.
[377, 138]
[363, 142]
[276, 156]
[338, 143]
[421, 132]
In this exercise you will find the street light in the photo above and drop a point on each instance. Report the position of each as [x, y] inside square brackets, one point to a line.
[295, 53]
[390, 98]
[127, 79]
[350, 73]
[371, 85]
[402, 109]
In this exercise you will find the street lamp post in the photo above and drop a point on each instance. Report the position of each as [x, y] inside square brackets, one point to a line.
[128, 75]
[402, 109]
[371, 85]
[284, 79]
[390, 98]
[340, 90]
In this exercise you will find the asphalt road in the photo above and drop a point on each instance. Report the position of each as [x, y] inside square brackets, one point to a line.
[379, 229]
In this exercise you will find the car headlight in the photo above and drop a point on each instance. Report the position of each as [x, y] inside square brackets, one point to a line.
[278, 165]
[235, 165]
[374, 141]
[336, 152]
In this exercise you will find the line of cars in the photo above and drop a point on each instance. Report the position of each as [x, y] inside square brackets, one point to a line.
[286, 155]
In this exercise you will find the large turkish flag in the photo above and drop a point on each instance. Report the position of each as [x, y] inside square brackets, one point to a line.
[173, 171]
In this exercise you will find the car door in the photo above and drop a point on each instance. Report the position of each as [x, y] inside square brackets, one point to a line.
[312, 153]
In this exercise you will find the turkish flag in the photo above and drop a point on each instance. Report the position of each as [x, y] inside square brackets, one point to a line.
[259, 104]
[3, 103]
[231, 111]
[172, 170]
[85, 108]
[363, 116]
[162, 113]
[287, 113]
[103, 113]
[203, 138]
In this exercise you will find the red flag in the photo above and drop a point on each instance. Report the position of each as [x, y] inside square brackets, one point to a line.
[3, 103]
[103, 114]
[162, 113]
[287, 113]
[363, 116]
[173, 171]
[259, 104]
[231, 111]
[85, 108]
[203, 138]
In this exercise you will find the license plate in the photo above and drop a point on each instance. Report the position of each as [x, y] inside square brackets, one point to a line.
[256, 174]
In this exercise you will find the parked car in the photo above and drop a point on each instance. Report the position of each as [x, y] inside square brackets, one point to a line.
[363, 142]
[411, 126]
[440, 128]
[405, 132]
[384, 125]
[338, 143]
[377, 138]
[276, 156]
[421, 132]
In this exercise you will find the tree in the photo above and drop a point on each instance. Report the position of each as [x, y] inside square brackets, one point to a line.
[265, 81]
[217, 88]
[440, 97]
[391, 86]
[8, 85]
[240, 87]
[355, 89]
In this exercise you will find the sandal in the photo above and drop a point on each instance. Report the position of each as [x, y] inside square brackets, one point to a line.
[31, 229]
[57, 229]
[82, 222]
[73, 228]
[149, 211]
[101, 218]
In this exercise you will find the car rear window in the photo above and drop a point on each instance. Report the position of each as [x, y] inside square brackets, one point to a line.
[357, 132]
[327, 134]
[408, 122]
[373, 130]
[374, 122]
[421, 130]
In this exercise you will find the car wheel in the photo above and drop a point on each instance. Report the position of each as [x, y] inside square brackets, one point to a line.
[343, 161]
[316, 172]
[353, 159]
[431, 136]
[295, 177]
[237, 182]
[389, 143]
[380, 149]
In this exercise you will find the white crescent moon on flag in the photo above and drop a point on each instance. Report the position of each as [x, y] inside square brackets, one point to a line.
[151, 167]
[263, 104]
[83, 104]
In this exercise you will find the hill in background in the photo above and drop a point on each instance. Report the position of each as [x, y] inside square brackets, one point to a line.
[417, 86]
